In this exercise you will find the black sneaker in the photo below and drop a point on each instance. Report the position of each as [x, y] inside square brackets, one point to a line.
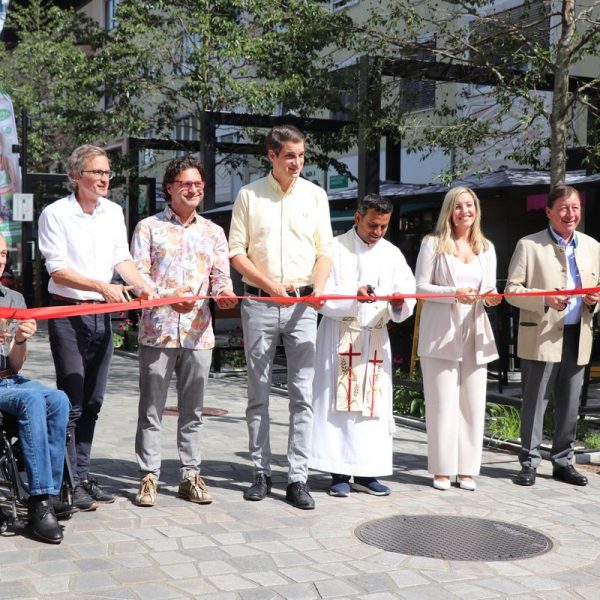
[82, 500]
[96, 492]
[298, 494]
[62, 510]
[259, 489]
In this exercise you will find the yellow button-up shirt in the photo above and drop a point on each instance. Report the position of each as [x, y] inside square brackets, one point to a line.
[282, 233]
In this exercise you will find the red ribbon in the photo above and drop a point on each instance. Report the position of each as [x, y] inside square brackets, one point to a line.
[75, 310]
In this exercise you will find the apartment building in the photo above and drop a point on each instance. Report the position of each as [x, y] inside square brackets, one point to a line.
[418, 98]
[472, 99]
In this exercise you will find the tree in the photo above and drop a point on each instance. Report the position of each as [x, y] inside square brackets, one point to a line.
[168, 60]
[53, 72]
[178, 59]
[533, 71]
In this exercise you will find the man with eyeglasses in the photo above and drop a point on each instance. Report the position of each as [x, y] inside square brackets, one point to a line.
[280, 241]
[179, 253]
[84, 240]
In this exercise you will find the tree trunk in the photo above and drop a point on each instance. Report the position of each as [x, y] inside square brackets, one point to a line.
[560, 101]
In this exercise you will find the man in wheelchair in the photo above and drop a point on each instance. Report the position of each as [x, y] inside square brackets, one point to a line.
[41, 413]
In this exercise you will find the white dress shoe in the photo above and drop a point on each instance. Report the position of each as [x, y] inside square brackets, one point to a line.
[467, 484]
[441, 484]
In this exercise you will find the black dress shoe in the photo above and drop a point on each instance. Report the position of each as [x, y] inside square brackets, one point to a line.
[569, 475]
[526, 476]
[298, 494]
[259, 489]
[42, 521]
[62, 510]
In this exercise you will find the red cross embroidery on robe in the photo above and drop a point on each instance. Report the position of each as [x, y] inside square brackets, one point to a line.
[373, 362]
[349, 354]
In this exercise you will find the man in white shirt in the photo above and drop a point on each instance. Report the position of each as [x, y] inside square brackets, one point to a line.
[352, 398]
[280, 241]
[84, 240]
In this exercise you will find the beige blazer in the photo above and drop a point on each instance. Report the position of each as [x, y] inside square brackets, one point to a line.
[539, 263]
[439, 330]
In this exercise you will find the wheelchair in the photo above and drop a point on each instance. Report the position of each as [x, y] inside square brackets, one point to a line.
[14, 493]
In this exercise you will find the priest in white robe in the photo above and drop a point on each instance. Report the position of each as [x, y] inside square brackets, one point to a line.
[352, 393]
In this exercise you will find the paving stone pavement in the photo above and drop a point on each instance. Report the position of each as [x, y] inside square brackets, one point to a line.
[232, 549]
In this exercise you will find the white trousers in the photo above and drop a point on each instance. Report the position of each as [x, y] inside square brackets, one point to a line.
[455, 412]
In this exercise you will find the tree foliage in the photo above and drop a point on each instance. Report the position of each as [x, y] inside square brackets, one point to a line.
[168, 60]
[515, 67]
[175, 59]
[52, 74]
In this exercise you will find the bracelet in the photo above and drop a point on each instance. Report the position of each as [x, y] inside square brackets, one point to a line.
[19, 343]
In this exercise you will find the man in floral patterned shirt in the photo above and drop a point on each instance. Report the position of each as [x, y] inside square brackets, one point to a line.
[178, 253]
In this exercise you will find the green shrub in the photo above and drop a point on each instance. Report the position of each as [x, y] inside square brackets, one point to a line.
[592, 440]
[503, 422]
[118, 339]
[234, 358]
[408, 400]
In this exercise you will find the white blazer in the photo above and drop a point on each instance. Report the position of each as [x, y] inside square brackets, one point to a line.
[439, 330]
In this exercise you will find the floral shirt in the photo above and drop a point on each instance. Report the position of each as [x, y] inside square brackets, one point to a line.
[169, 255]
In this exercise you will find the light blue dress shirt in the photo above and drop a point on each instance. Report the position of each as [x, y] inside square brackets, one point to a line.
[572, 313]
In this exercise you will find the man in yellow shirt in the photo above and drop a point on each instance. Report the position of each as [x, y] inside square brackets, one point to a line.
[280, 241]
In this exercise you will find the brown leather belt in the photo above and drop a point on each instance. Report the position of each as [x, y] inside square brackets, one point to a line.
[74, 301]
[6, 373]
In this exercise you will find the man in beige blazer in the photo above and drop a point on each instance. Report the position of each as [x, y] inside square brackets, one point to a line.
[555, 332]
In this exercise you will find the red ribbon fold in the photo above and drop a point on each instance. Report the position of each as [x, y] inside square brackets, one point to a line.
[75, 310]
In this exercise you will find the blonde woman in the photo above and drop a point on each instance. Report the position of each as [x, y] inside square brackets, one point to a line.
[455, 337]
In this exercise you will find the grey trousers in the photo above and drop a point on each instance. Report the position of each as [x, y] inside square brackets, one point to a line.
[564, 381]
[264, 324]
[156, 368]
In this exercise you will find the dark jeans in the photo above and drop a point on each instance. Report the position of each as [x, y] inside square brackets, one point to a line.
[82, 348]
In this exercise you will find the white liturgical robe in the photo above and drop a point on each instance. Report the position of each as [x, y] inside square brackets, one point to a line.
[357, 441]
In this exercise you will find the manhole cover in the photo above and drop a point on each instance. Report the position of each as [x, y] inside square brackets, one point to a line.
[453, 538]
[207, 411]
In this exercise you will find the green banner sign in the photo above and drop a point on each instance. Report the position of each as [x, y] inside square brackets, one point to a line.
[338, 181]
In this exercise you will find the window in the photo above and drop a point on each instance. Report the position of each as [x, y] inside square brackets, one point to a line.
[110, 14]
[147, 156]
[495, 45]
[348, 101]
[189, 46]
[186, 129]
[341, 4]
[419, 94]
[3, 7]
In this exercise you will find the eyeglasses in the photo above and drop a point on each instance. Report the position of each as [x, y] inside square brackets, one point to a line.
[99, 174]
[189, 184]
